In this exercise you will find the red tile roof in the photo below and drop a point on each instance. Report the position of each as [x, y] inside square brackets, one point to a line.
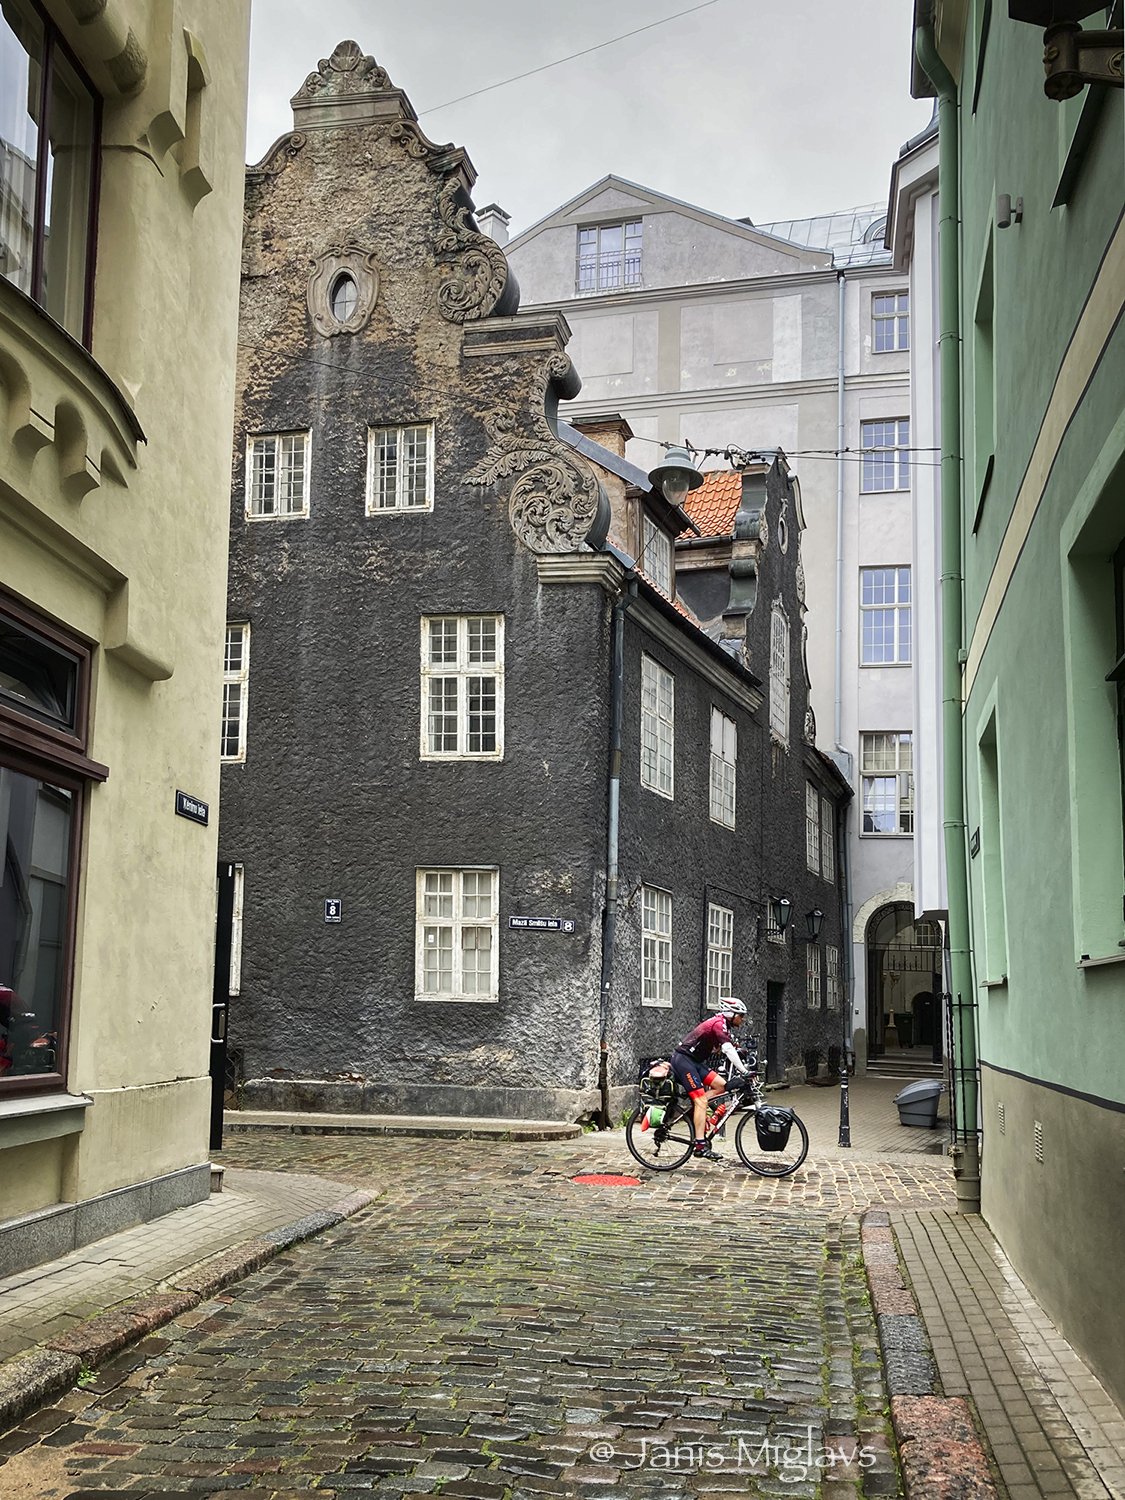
[714, 505]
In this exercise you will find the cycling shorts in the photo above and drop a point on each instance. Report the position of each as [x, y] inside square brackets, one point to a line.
[691, 1076]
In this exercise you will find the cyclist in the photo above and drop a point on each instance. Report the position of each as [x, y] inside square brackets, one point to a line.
[716, 1034]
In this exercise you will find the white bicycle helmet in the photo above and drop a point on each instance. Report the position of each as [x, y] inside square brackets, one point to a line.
[729, 1006]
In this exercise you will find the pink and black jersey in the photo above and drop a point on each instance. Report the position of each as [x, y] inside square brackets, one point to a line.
[706, 1038]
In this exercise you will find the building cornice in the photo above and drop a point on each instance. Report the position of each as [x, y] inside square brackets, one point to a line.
[581, 567]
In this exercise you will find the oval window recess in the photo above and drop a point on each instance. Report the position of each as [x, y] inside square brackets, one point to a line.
[783, 534]
[345, 298]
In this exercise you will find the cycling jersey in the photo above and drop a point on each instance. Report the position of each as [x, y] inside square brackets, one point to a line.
[709, 1036]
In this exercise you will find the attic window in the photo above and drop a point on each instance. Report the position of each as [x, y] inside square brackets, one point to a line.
[609, 257]
[345, 297]
[656, 556]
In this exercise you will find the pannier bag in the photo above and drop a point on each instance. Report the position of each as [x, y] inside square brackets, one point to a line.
[773, 1125]
[657, 1088]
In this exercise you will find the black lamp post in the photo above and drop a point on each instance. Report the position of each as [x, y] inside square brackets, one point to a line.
[813, 919]
[780, 907]
[1073, 55]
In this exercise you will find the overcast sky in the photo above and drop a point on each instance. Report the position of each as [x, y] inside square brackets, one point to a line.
[771, 109]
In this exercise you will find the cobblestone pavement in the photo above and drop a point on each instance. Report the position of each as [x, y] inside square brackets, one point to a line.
[490, 1330]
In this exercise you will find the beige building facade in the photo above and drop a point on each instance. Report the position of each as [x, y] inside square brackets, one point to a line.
[121, 170]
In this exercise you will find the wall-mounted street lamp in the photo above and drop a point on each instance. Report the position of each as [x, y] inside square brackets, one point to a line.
[780, 907]
[813, 919]
[676, 476]
[1072, 57]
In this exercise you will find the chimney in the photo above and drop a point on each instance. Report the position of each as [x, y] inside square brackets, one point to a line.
[612, 431]
[493, 221]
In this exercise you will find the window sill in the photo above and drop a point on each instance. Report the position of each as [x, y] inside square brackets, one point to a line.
[886, 663]
[1085, 962]
[457, 999]
[886, 835]
[657, 1004]
[995, 984]
[297, 515]
[41, 1117]
[668, 796]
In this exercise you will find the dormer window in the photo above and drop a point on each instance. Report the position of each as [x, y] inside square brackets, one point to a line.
[609, 257]
[345, 297]
[656, 556]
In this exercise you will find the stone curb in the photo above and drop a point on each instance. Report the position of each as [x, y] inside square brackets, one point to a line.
[53, 1367]
[941, 1454]
[287, 1123]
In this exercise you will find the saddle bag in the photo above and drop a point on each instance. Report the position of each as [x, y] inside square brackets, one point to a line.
[657, 1087]
[773, 1125]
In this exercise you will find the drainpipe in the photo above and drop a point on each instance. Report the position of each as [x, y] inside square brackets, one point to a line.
[966, 1151]
[841, 443]
[844, 860]
[609, 925]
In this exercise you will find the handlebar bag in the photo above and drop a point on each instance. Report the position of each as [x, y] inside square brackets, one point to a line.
[773, 1125]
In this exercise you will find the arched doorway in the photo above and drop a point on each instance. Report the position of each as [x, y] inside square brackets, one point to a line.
[904, 983]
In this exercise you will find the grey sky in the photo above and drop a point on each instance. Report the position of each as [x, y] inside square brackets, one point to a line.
[773, 109]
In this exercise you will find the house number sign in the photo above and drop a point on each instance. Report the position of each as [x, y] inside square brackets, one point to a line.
[333, 910]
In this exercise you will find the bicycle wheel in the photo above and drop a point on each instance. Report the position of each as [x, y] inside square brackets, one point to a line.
[770, 1163]
[665, 1148]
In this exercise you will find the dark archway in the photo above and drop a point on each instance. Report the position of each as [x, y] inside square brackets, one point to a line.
[904, 982]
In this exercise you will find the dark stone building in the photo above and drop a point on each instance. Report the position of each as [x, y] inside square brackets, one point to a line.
[501, 815]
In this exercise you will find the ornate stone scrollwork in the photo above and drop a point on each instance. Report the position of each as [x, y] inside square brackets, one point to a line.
[479, 268]
[810, 727]
[348, 71]
[327, 271]
[554, 502]
[800, 582]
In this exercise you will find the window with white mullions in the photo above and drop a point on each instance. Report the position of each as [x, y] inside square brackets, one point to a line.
[812, 828]
[832, 977]
[890, 321]
[887, 771]
[277, 475]
[885, 618]
[779, 675]
[656, 947]
[609, 257]
[720, 953]
[812, 975]
[656, 556]
[724, 761]
[463, 686]
[400, 469]
[457, 934]
[827, 839]
[658, 710]
[886, 455]
[236, 681]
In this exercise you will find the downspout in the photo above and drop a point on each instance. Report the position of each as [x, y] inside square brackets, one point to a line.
[609, 925]
[846, 954]
[966, 1150]
[844, 860]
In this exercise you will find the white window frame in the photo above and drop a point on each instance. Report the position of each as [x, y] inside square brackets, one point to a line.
[892, 316]
[656, 556]
[874, 744]
[234, 978]
[718, 980]
[398, 507]
[656, 947]
[236, 687]
[898, 606]
[779, 674]
[812, 828]
[658, 728]
[812, 975]
[458, 921]
[832, 976]
[256, 442]
[827, 839]
[724, 769]
[461, 672]
[600, 260]
[885, 466]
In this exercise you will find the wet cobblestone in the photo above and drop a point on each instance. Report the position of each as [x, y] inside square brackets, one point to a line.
[488, 1330]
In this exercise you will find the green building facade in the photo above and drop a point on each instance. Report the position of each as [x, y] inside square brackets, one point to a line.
[1040, 466]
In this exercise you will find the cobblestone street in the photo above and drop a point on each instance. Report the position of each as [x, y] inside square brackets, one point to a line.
[488, 1328]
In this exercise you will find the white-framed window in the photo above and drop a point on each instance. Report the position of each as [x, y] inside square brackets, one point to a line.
[658, 715]
[656, 946]
[812, 828]
[656, 556]
[462, 687]
[884, 615]
[832, 977]
[886, 455]
[238, 906]
[779, 675]
[720, 953]
[400, 469]
[278, 475]
[609, 257]
[457, 934]
[812, 975]
[774, 934]
[827, 839]
[724, 763]
[887, 769]
[890, 321]
[236, 687]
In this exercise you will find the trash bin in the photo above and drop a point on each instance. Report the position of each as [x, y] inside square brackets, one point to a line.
[918, 1103]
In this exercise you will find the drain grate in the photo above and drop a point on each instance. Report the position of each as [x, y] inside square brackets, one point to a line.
[605, 1179]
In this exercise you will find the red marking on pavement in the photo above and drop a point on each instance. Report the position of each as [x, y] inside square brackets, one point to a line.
[605, 1179]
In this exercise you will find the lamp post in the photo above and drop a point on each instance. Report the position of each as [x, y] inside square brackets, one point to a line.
[813, 919]
[780, 907]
